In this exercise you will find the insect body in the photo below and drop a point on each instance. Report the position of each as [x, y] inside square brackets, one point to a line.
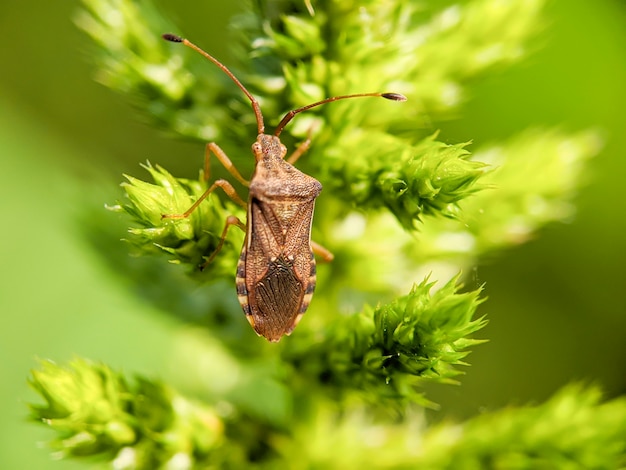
[276, 270]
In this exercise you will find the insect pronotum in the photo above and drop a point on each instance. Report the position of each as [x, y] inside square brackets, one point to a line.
[276, 270]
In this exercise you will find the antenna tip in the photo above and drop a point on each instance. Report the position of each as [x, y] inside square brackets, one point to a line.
[172, 37]
[394, 96]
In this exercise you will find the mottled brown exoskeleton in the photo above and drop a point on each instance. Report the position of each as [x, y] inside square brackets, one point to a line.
[276, 270]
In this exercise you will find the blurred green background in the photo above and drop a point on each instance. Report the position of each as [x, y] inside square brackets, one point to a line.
[557, 305]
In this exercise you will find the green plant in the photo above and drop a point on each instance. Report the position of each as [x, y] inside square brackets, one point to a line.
[347, 388]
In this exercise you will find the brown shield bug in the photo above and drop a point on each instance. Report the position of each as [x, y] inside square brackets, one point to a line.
[276, 269]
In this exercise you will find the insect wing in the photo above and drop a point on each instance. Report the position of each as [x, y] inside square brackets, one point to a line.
[276, 273]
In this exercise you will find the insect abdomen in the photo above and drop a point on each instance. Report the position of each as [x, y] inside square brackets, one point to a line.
[275, 303]
[240, 281]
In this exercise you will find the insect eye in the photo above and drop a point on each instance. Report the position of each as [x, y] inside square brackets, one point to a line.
[256, 148]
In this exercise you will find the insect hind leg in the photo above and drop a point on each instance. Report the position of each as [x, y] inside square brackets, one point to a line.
[325, 255]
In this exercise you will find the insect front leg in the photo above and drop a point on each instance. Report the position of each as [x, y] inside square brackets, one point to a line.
[212, 147]
[297, 153]
[325, 255]
[225, 185]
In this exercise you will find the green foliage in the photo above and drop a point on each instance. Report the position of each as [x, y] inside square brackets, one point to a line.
[135, 61]
[411, 181]
[397, 202]
[573, 430]
[520, 199]
[97, 414]
[385, 353]
[185, 240]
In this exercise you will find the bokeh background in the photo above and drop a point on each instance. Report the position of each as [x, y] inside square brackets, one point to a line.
[557, 305]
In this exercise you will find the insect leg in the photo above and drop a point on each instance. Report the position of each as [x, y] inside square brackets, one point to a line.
[297, 153]
[322, 252]
[230, 220]
[225, 185]
[224, 160]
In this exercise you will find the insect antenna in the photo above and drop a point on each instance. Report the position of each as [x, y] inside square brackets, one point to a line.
[255, 103]
[289, 116]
